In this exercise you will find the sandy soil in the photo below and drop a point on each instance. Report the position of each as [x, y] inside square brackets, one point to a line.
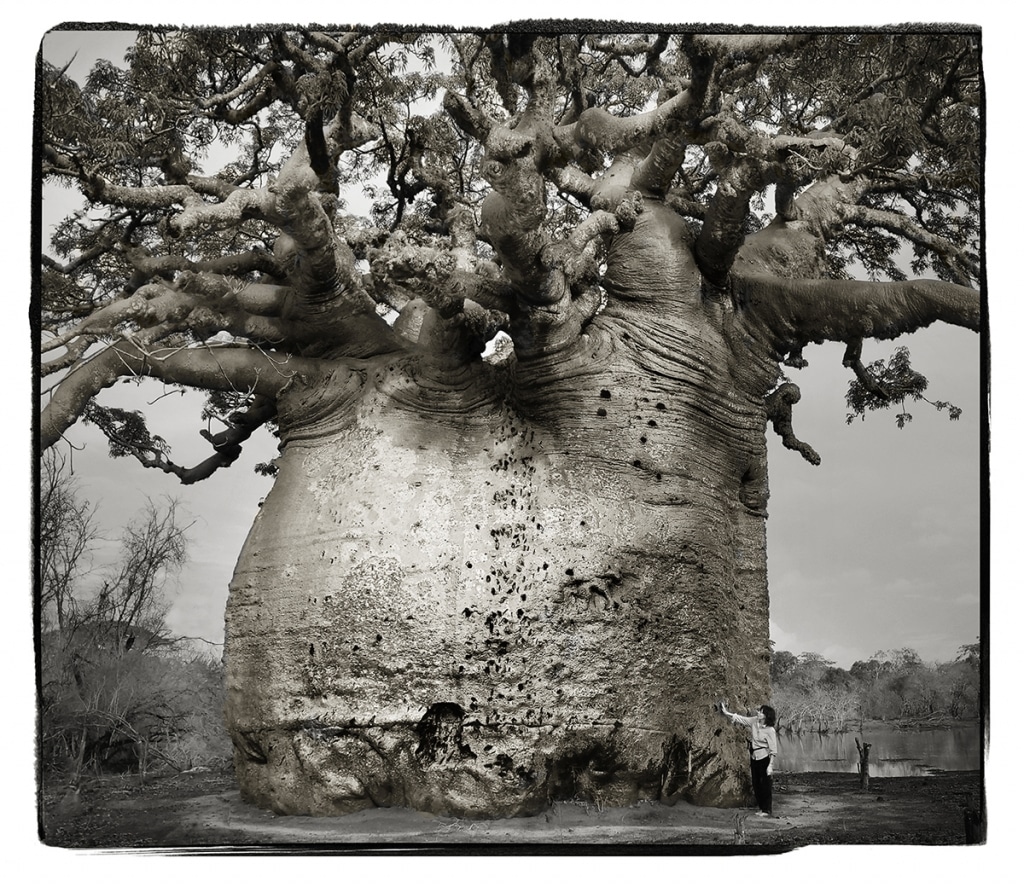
[201, 810]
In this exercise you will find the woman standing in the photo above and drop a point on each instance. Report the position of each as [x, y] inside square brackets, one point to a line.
[764, 746]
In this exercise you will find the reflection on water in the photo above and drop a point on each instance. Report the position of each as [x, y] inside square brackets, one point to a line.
[893, 752]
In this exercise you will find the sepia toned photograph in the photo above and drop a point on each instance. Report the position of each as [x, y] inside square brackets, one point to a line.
[559, 436]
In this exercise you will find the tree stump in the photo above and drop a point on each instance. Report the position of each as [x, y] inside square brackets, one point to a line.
[862, 762]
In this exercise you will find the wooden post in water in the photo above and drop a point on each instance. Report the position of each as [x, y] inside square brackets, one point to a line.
[862, 764]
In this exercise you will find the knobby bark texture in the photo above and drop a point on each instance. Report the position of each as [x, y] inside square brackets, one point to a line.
[479, 585]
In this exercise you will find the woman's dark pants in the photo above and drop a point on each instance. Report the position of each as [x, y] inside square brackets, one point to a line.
[762, 783]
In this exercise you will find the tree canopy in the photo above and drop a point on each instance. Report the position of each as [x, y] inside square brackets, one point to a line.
[224, 243]
[810, 692]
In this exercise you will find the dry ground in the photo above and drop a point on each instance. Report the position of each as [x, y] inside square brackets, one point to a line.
[196, 811]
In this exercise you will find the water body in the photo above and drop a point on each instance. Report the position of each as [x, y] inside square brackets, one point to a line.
[893, 752]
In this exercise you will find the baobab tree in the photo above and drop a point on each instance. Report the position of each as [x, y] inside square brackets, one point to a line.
[515, 549]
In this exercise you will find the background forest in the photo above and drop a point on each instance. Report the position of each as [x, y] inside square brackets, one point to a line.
[812, 694]
[117, 690]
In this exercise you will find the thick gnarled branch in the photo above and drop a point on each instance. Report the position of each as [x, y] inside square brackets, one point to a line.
[219, 368]
[779, 407]
[598, 129]
[793, 313]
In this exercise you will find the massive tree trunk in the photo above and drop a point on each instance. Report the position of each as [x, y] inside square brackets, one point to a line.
[476, 591]
[478, 587]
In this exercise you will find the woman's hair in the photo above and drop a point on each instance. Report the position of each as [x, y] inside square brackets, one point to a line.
[769, 715]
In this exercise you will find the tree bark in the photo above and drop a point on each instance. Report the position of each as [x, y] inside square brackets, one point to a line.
[477, 590]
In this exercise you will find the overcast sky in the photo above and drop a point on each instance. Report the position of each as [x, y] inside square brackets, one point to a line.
[876, 548]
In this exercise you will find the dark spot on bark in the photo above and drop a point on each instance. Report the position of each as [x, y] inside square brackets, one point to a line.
[643, 439]
[659, 406]
[556, 670]
[570, 572]
[440, 733]
[469, 566]
[602, 412]
[636, 463]
[311, 651]
[605, 393]
[652, 423]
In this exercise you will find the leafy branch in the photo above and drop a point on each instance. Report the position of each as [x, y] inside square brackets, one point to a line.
[884, 384]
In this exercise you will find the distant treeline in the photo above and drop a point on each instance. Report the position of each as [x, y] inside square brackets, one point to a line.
[812, 694]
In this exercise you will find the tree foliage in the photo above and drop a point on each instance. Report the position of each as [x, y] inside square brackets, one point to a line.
[813, 694]
[883, 384]
[117, 689]
[225, 243]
